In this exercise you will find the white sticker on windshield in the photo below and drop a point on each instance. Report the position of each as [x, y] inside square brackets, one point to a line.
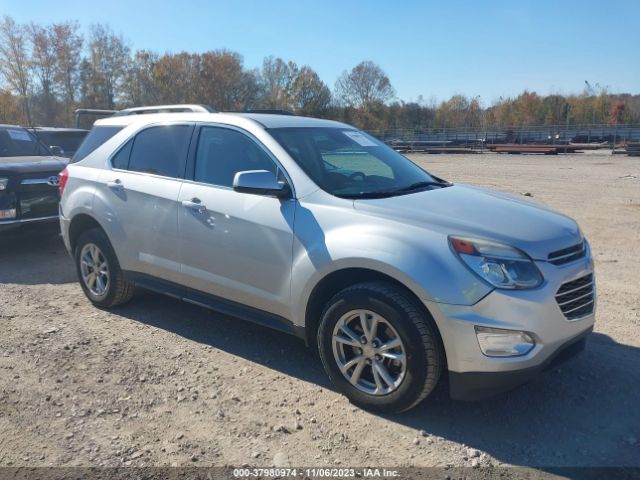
[21, 135]
[359, 138]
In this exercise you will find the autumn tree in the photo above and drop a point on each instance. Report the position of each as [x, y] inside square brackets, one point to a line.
[224, 83]
[176, 77]
[105, 67]
[616, 113]
[14, 61]
[68, 49]
[310, 95]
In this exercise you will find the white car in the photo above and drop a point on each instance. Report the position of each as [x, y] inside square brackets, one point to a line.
[317, 229]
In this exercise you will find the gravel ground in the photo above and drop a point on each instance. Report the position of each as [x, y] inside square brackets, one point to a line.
[160, 382]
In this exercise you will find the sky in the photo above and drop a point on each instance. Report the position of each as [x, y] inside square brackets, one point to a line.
[427, 48]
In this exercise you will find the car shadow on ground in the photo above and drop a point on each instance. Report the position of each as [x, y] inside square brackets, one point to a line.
[277, 350]
[34, 255]
[581, 413]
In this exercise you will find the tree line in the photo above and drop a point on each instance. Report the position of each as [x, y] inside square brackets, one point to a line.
[47, 71]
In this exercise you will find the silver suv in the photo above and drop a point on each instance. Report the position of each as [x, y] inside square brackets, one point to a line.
[398, 278]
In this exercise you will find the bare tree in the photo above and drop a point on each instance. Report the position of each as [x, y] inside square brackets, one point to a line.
[106, 66]
[277, 78]
[366, 84]
[139, 85]
[68, 47]
[43, 66]
[14, 61]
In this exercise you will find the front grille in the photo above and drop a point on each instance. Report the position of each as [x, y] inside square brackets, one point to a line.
[576, 298]
[566, 255]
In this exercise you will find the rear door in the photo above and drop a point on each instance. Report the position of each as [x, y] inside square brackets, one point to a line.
[142, 190]
[237, 246]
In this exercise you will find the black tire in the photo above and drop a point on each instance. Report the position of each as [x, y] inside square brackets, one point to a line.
[425, 358]
[118, 290]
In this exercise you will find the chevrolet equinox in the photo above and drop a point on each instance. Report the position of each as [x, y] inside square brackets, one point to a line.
[398, 278]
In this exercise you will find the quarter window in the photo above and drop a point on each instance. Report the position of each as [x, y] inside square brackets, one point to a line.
[223, 152]
[161, 150]
[121, 159]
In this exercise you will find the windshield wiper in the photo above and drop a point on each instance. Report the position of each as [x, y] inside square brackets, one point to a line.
[397, 191]
[418, 185]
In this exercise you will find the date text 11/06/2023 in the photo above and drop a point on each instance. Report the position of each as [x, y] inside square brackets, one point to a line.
[314, 472]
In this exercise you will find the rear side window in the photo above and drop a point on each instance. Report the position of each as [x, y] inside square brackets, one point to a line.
[161, 150]
[97, 136]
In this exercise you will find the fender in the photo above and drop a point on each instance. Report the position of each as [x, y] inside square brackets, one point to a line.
[418, 258]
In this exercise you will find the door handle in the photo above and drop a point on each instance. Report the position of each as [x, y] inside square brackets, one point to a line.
[194, 204]
[115, 185]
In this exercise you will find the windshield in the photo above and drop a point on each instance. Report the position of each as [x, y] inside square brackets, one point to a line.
[351, 164]
[18, 142]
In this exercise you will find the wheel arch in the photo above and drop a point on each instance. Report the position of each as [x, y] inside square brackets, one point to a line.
[81, 223]
[338, 280]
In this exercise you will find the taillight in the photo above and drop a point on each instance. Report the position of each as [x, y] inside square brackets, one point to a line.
[63, 176]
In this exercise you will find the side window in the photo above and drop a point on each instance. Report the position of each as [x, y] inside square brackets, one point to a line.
[121, 159]
[161, 150]
[223, 152]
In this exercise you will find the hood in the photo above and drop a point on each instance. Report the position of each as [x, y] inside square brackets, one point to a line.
[481, 213]
[22, 165]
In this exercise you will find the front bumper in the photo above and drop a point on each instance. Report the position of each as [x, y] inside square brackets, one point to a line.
[481, 385]
[474, 375]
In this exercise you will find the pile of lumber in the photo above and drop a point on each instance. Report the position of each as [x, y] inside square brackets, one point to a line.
[432, 147]
[540, 148]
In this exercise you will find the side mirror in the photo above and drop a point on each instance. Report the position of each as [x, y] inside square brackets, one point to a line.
[56, 150]
[260, 182]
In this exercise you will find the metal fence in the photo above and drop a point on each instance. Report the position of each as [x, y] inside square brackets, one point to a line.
[547, 134]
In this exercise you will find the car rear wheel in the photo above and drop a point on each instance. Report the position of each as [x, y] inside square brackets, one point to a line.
[379, 347]
[99, 271]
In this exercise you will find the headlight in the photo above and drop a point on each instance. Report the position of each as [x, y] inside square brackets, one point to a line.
[497, 342]
[3, 183]
[500, 265]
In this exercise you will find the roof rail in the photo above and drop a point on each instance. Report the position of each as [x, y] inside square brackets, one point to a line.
[271, 111]
[165, 109]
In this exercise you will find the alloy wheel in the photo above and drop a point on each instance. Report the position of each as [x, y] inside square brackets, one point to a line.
[369, 352]
[94, 269]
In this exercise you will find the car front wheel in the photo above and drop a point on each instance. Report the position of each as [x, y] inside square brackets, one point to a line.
[379, 347]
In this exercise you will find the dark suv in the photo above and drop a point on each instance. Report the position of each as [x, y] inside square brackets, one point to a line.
[28, 179]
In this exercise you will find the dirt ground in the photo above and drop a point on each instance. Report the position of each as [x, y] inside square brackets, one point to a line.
[160, 382]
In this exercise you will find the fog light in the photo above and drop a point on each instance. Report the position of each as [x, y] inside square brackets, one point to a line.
[6, 214]
[497, 342]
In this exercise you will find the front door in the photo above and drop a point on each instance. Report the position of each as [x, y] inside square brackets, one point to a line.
[236, 246]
